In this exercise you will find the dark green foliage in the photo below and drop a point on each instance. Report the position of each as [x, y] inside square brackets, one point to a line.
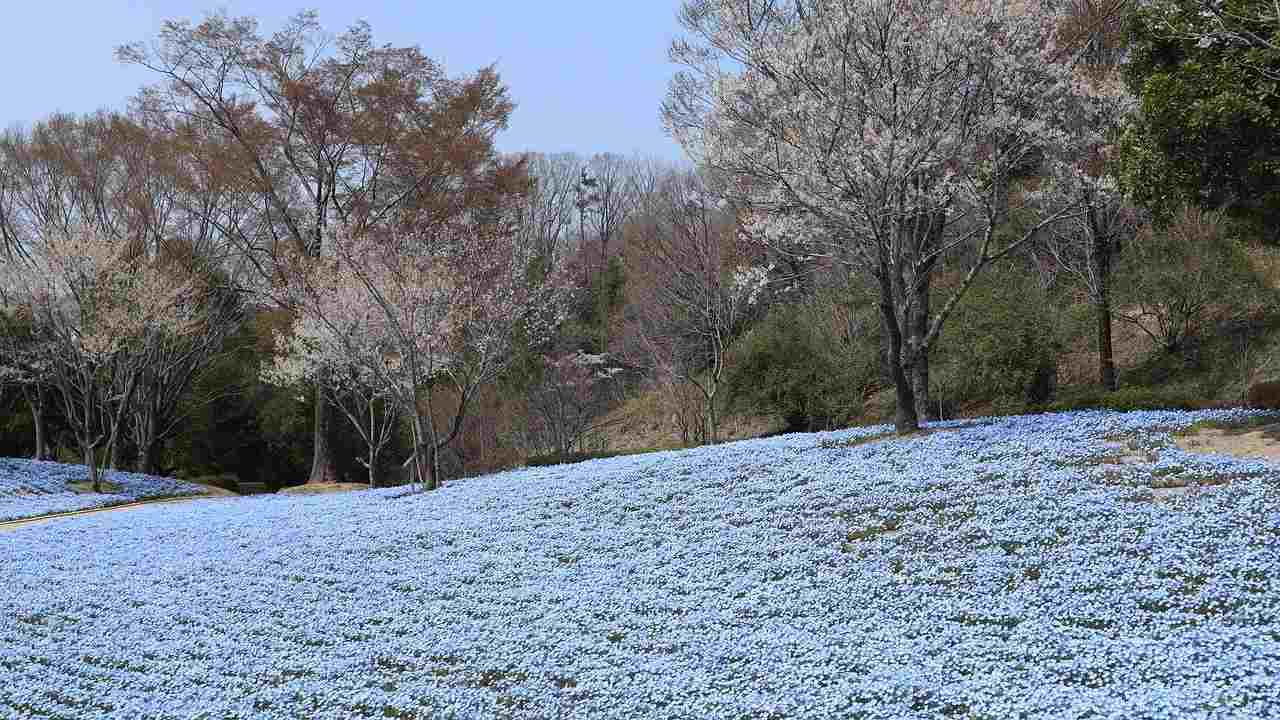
[1208, 133]
[1002, 344]
[1130, 398]
[811, 363]
[595, 308]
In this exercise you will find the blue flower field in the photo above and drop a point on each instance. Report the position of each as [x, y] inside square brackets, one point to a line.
[29, 488]
[1054, 566]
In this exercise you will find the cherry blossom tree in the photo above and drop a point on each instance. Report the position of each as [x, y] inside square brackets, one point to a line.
[414, 313]
[100, 309]
[890, 135]
[329, 130]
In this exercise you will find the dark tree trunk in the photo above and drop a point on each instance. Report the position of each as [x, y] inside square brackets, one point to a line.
[323, 467]
[1106, 356]
[91, 462]
[920, 369]
[1101, 258]
[148, 448]
[905, 419]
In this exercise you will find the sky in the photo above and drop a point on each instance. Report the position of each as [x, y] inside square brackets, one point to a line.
[586, 76]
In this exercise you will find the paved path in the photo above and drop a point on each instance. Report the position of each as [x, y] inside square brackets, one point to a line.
[27, 522]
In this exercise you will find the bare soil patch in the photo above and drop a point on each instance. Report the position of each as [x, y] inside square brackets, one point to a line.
[1246, 442]
[323, 488]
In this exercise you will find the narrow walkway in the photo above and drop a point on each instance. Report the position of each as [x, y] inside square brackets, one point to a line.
[26, 522]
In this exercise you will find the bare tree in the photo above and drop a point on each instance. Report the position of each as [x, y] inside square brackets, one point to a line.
[614, 199]
[573, 396]
[551, 204]
[702, 289]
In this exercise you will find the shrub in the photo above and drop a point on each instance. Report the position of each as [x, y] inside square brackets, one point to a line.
[1002, 343]
[811, 363]
[1131, 398]
[1176, 279]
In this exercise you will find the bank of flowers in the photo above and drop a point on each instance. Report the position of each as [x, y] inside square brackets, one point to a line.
[1075, 565]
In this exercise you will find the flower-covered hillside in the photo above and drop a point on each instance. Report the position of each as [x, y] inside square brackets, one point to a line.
[29, 488]
[1039, 567]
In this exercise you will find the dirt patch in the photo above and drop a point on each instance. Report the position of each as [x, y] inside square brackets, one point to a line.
[212, 490]
[84, 487]
[323, 488]
[1248, 442]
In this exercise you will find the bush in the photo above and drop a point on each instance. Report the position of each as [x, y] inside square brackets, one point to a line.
[1131, 398]
[1002, 343]
[812, 364]
[1174, 280]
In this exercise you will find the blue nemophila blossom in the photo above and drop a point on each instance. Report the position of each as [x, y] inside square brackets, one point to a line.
[36, 487]
[1073, 565]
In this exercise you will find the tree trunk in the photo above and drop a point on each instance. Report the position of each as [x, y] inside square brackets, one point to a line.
[905, 419]
[37, 420]
[1106, 356]
[148, 448]
[1101, 258]
[114, 453]
[920, 369]
[91, 462]
[323, 468]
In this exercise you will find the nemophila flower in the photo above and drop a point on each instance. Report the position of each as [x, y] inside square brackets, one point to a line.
[36, 487]
[998, 568]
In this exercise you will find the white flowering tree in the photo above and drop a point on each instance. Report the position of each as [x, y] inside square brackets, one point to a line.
[890, 135]
[428, 317]
[700, 283]
[340, 353]
[100, 309]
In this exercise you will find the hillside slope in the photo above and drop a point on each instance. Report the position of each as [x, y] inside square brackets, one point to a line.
[1043, 566]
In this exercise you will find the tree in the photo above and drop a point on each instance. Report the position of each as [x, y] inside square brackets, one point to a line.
[571, 398]
[122, 179]
[336, 352]
[551, 203]
[415, 313]
[341, 132]
[701, 287]
[1206, 74]
[885, 135]
[612, 198]
[101, 308]
[1085, 246]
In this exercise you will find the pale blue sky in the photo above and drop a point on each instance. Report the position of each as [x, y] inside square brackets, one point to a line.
[586, 76]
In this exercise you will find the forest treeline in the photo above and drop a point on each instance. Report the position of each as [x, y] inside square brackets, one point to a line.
[298, 256]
